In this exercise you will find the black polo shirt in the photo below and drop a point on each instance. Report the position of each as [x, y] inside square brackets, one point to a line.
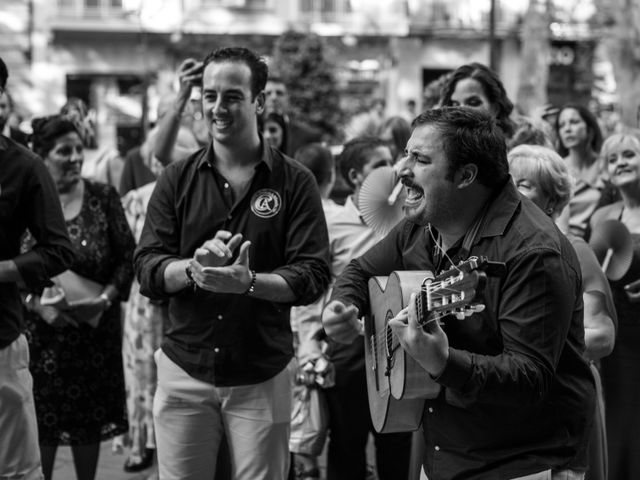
[28, 199]
[230, 339]
[517, 394]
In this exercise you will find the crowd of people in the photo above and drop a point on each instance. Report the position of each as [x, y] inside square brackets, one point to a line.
[174, 300]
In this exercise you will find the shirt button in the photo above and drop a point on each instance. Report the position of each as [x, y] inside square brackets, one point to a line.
[219, 317]
[430, 409]
[217, 350]
[437, 448]
[226, 185]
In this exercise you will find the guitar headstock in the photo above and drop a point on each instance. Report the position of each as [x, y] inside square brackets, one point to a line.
[456, 291]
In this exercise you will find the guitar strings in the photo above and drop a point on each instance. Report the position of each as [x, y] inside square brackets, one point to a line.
[387, 335]
[437, 242]
[441, 293]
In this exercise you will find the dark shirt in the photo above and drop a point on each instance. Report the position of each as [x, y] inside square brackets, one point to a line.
[28, 199]
[229, 339]
[300, 134]
[135, 173]
[517, 395]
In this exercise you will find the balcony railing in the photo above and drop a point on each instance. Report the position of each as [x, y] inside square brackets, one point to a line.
[90, 9]
[461, 14]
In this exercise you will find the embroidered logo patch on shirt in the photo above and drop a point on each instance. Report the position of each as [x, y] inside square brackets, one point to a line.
[266, 203]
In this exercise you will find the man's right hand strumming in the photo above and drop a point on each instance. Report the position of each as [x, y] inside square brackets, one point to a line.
[341, 322]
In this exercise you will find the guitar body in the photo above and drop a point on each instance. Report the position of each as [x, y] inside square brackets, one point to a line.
[397, 385]
[391, 413]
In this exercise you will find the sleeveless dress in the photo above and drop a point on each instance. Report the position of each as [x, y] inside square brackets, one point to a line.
[621, 379]
[78, 382]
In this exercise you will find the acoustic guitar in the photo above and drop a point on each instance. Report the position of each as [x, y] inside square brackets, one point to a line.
[397, 385]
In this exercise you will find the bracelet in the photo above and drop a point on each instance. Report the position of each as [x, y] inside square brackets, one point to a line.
[252, 285]
[107, 300]
[190, 280]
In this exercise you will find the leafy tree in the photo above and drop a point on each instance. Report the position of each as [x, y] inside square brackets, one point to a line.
[534, 74]
[301, 60]
[619, 21]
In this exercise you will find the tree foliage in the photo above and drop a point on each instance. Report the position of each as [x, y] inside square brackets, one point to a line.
[301, 60]
[619, 20]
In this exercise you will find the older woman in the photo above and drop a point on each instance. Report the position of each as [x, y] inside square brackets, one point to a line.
[541, 175]
[76, 363]
[477, 86]
[620, 373]
[579, 142]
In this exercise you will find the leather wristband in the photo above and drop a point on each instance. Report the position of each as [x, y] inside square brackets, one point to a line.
[190, 281]
[252, 285]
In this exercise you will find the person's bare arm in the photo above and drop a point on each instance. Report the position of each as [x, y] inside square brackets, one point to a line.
[190, 75]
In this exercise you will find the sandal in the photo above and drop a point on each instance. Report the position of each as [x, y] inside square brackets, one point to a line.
[146, 460]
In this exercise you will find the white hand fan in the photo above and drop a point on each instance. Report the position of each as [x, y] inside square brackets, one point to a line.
[381, 199]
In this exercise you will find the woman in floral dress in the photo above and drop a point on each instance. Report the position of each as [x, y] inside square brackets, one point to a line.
[77, 368]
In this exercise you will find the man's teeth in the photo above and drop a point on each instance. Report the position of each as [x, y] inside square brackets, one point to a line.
[412, 193]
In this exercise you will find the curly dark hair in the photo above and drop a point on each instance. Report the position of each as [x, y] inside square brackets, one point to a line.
[257, 64]
[46, 130]
[470, 136]
[493, 89]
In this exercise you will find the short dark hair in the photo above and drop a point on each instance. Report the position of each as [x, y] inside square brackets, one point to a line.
[354, 155]
[493, 89]
[593, 128]
[318, 159]
[257, 64]
[46, 130]
[4, 74]
[470, 136]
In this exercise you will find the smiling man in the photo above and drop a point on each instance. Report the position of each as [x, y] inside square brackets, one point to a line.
[234, 235]
[517, 397]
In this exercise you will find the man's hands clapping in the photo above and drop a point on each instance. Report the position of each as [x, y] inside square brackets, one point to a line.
[211, 268]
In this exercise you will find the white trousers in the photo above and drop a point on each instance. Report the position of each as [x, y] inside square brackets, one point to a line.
[554, 475]
[190, 417]
[19, 449]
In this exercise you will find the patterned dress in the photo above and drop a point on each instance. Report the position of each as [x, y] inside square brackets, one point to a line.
[143, 326]
[78, 380]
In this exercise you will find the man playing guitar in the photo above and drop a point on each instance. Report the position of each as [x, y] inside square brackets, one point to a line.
[516, 397]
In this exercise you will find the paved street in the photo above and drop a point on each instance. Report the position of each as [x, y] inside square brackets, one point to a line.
[109, 466]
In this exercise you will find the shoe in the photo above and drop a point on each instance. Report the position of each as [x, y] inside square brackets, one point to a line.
[146, 460]
[313, 474]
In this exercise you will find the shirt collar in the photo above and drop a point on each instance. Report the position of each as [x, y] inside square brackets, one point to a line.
[502, 209]
[266, 155]
[350, 206]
